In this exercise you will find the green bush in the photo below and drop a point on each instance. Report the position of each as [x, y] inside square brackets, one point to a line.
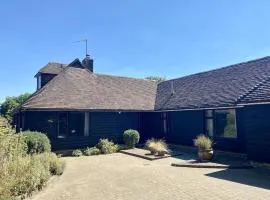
[91, 151]
[131, 138]
[106, 146]
[36, 142]
[77, 153]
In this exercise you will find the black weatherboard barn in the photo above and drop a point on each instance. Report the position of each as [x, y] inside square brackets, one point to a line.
[77, 107]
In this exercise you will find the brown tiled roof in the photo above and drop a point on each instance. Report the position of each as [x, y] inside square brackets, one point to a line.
[216, 88]
[76, 88]
[259, 94]
[52, 68]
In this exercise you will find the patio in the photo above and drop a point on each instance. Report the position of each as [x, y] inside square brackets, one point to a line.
[120, 176]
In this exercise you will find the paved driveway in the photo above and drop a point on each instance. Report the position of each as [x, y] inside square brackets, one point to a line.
[119, 176]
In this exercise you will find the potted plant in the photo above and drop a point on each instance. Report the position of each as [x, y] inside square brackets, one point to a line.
[161, 148]
[151, 146]
[205, 147]
[157, 146]
[131, 138]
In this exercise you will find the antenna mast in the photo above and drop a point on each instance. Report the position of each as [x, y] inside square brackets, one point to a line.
[85, 40]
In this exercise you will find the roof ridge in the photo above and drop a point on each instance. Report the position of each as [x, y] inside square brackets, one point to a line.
[252, 89]
[219, 68]
[98, 74]
[55, 62]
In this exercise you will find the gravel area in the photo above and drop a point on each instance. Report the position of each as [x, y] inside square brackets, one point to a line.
[119, 176]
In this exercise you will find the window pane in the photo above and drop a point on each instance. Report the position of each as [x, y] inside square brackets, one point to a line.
[210, 127]
[225, 123]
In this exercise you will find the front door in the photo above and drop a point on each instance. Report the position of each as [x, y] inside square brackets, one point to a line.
[62, 125]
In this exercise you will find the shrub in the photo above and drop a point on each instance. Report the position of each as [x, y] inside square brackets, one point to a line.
[56, 165]
[23, 176]
[6, 130]
[6, 197]
[21, 173]
[77, 153]
[11, 146]
[4, 122]
[106, 146]
[156, 146]
[203, 142]
[36, 142]
[131, 138]
[151, 144]
[91, 151]
[161, 147]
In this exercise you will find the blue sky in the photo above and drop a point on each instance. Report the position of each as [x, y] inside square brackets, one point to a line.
[130, 38]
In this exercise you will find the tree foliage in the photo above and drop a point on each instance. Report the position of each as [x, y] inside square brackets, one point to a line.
[156, 78]
[11, 103]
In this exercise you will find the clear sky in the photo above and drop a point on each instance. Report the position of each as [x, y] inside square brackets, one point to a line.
[129, 38]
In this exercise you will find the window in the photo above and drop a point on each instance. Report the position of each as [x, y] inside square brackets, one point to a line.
[39, 82]
[225, 123]
[209, 122]
[221, 123]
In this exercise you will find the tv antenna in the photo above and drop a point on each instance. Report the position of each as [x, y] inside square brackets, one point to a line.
[85, 40]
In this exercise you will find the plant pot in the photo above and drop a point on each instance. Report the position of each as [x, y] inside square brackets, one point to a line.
[206, 155]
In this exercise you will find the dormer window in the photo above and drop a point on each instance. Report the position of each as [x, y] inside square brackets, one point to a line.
[48, 72]
[38, 82]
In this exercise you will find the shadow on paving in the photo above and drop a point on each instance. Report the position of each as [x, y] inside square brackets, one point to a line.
[255, 177]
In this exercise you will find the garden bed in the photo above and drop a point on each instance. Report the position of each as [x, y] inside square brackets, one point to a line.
[145, 154]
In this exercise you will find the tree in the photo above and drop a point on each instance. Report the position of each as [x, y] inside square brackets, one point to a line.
[158, 79]
[11, 103]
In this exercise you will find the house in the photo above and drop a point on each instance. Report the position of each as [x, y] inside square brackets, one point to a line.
[77, 107]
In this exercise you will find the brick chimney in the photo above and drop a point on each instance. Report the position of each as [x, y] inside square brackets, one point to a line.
[88, 63]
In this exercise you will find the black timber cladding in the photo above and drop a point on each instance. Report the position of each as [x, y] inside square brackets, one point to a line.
[185, 126]
[112, 124]
[257, 132]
